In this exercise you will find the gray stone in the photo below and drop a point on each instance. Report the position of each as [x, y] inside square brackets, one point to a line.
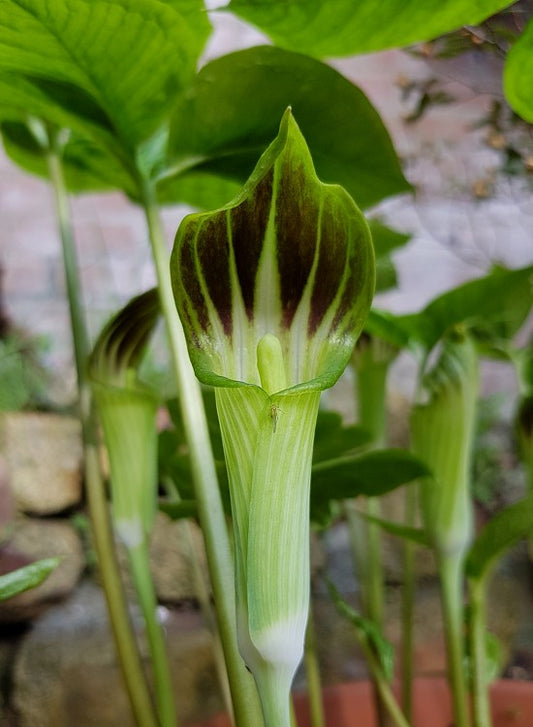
[177, 558]
[66, 671]
[43, 457]
[31, 540]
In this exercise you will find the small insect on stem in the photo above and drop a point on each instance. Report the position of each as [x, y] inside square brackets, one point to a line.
[274, 414]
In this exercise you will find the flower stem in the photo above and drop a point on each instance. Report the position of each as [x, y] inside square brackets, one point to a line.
[312, 673]
[386, 695]
[211, 514]
[478, 626]
[274, 687]
[371, 389]
[408, 605]
[451, 572]
[103, 539]
[140, 570]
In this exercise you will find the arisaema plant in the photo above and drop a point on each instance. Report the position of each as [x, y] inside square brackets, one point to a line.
[127, 408]
[273, 290]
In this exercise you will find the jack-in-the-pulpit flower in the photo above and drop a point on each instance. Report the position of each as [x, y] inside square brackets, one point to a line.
[128, 410]
[442, 432]
[273, 290]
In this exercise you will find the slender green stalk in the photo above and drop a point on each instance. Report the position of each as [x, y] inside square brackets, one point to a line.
[70, 265]
[312, 673]
[371, 380]
[451, 577]
[375, 590]
[408, 605]
[478, 631]
[246, 704]
[140, 570]
[103, 539]
[276, 703]
[388, 700]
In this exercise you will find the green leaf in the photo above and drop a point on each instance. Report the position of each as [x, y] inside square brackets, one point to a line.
[86, 165]
[368, 632]
[57, 102]
[179, 510]
[493, 306]
[502, 532]
[414, 535]
[27, 577]
[371, 474]
[385, 239]
[217, 130]
[321, 28]
[14, 389]
[517, 75]
[386, 275]
[196, 188]
[290, 260]
[386, 326]
[180, 438]
[333, 439]
[125, 59]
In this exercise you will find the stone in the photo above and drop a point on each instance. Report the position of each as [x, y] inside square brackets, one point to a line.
[32, 540]
[174, 545]
[177, 559]
[66, 671]
[43, 456]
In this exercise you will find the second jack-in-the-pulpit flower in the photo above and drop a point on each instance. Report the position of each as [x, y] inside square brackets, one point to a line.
[273, 290]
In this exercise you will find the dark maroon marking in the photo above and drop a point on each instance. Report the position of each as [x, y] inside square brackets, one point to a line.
[296, 230]
[248, 226]
[187, 278]
[331, 261]
[356, 283]
[212, 249]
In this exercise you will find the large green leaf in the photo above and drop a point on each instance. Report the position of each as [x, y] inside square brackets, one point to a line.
[127, 59]
[371, 474]
[87, 166]
[501, 533]
[60, 103]
[232, 109]
[334, 439]
[200, 189]
[344, 27]
[518, 73]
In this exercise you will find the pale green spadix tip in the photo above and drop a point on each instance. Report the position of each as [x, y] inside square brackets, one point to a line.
[270, 364]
